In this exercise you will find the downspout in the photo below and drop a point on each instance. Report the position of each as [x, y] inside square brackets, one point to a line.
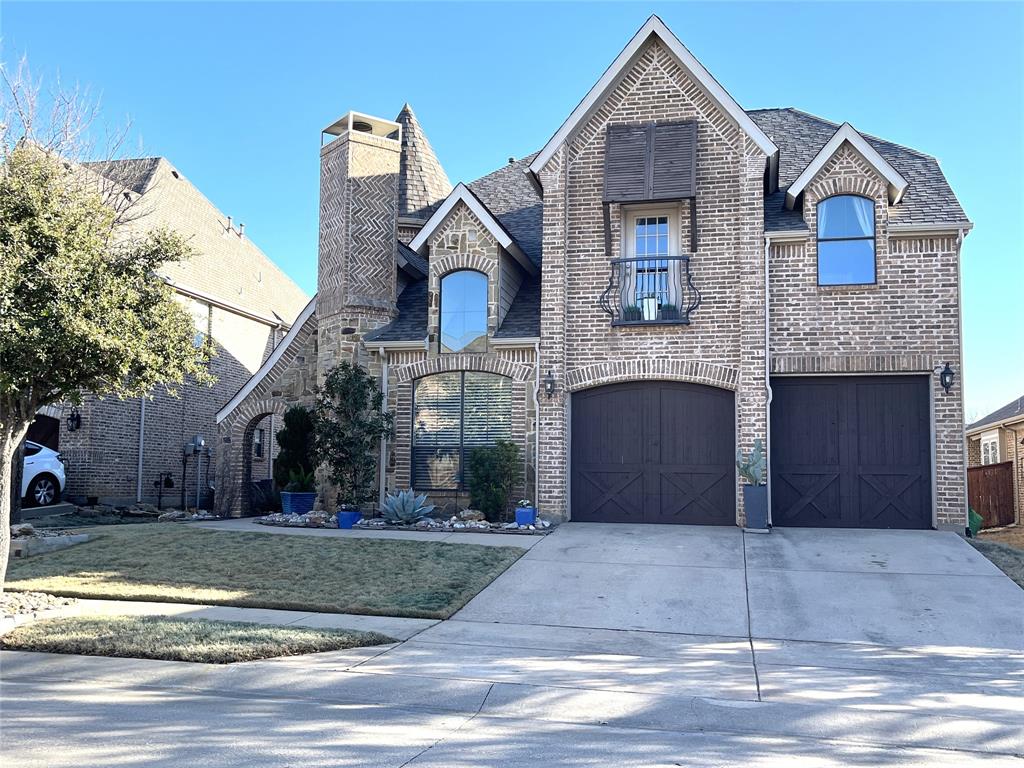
[767, 384]
[382, 492]
[536, 423]
[142, 443]
[960, 363]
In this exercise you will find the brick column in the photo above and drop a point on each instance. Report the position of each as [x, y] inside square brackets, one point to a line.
[552, 412]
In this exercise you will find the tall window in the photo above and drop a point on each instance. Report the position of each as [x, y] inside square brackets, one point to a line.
[453, 413]
[257, 443]
[846, 240]
[463, 311]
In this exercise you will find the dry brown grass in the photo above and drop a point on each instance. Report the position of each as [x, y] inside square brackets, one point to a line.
[1011, 537]
[154, 637]
[170, 562]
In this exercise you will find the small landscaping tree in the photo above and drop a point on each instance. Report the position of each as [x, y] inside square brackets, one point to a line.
[493, 473]
[296, 442]
[82, 306]
[350, 421]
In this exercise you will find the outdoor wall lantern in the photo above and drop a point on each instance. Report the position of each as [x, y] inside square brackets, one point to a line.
[74, 420]
[549, 383]
[946, 378]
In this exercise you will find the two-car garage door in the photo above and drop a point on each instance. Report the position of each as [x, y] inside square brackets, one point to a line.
[848, 451]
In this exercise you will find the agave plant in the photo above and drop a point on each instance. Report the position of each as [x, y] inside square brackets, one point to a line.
[752, 468]
[406, 507]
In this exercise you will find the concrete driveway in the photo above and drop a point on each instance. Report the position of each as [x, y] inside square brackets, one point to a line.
[603, 645]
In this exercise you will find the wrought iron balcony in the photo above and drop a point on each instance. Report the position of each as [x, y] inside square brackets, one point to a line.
[646, 291]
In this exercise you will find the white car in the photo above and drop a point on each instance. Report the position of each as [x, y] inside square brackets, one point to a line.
[42, 480]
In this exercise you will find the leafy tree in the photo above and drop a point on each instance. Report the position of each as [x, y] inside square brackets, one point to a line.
[350, 423]
[493, 472]
[296, 442]
[82, 308]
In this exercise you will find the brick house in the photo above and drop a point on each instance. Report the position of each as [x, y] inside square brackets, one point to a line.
[237, 296]
[996, 442]
[668, 279]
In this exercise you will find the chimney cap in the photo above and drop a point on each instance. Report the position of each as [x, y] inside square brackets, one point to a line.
[358, 121]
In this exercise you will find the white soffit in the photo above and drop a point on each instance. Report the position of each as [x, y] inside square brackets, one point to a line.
[621, 65]
[897, 185]
[463, 194]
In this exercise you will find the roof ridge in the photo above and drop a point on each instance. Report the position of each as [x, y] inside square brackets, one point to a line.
[868, 136]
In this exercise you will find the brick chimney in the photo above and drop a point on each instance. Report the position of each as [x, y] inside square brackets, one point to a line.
[359, 168]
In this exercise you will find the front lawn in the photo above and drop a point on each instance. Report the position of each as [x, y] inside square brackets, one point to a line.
[1009, 559]
[154, 637]
[172, 562]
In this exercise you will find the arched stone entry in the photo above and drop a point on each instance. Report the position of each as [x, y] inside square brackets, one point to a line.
[235, 467]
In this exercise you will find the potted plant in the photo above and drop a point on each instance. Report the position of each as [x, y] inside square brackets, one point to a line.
[526, 513]
[755, 492]
[299, 495]
[406, 508]
[632, 313]
[669, 312]
[349, 423]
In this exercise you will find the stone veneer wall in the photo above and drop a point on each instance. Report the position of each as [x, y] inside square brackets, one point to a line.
[722, 345]
[907, 322]
[461, 242]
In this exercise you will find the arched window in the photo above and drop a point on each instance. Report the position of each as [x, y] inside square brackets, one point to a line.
[846, 240]
[463, 311]
[453, 413]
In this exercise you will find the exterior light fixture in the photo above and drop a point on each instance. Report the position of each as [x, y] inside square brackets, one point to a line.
[549, 383]
[74, 420]
[946, 378]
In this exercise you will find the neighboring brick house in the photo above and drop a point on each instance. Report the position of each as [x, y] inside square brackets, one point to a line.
[997, 441]
[604, 304]
[237, 296]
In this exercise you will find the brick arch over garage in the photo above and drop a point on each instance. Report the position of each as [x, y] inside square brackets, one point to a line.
[445, 363]
[690, 371]
[234, 472]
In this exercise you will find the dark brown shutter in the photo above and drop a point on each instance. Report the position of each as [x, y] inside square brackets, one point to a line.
[650, 162]
[673, 161]
[626, 163]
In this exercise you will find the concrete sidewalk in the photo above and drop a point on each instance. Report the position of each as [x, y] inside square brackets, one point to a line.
[392, 626]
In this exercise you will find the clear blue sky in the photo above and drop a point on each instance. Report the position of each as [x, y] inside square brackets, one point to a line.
[235, 95]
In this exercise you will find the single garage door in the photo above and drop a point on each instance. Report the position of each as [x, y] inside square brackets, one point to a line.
[851, 452]
[654, 452]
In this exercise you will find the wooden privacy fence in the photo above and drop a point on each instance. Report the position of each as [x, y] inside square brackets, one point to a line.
[990, 493]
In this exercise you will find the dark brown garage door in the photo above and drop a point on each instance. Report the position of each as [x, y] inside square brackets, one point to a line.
[654, 452]
[851, 452]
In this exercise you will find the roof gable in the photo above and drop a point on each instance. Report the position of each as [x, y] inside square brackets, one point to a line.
[462, 194]
[654, 27]
[846, 133]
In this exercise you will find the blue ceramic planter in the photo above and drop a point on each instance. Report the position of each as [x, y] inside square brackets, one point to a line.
[297, 503]
[526, 516]
[348, 518]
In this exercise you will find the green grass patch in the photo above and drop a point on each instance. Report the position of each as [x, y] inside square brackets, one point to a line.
[155, 637]
[170, 562]
[1009, 560]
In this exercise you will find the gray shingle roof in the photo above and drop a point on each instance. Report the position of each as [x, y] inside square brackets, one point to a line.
[523, 317]
[422, 182]
[800, 136]
[411, 323]
[416, 261]
[509, 195]
[1008, 411]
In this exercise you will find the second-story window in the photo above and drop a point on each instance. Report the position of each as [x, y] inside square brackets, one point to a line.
[846, 240]
[463, 312]
[652, 239]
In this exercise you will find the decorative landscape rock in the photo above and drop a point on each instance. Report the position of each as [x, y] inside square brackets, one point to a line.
[27, 540]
